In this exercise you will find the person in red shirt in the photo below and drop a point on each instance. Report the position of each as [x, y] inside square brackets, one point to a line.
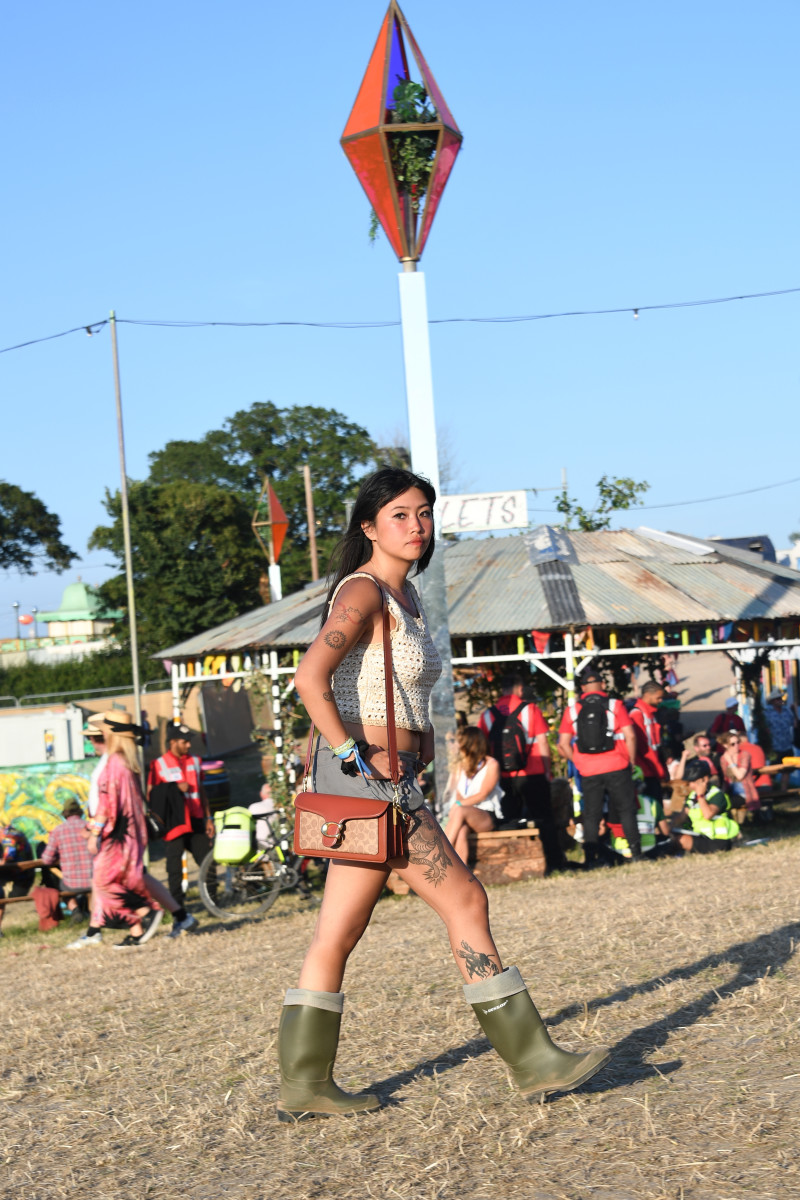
[527, 788]
[648, 739]
[724, 722]
[193, 829]
[604, 771]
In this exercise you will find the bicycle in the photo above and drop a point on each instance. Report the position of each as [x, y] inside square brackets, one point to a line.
[249, 889]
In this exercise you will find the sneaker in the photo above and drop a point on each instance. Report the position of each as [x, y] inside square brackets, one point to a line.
[188, 925]
[93, 939]
[129, 943]
[150, 924]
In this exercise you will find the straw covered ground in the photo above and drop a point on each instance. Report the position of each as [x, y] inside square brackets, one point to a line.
[152, 1074]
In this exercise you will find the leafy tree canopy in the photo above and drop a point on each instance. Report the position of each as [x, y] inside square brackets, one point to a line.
[613, 495]
[196, 559]
[30, 535]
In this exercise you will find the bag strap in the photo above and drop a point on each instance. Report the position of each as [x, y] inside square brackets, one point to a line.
[391, 731]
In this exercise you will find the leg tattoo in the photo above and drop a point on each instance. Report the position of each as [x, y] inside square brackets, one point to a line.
[426, 847]
[478, 964]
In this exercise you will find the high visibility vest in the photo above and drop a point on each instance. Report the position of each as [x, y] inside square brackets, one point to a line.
[649, 726]
[720, 828]
[645, 823]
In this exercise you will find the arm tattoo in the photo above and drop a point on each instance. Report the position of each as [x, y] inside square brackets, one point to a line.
[427, 848]
[328, 696]
[348, 614]
[477, 963]
[335, 639]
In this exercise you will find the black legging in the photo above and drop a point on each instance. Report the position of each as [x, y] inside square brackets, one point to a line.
[198, 843]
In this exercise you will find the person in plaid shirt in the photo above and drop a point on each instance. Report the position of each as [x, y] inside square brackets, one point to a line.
[67, 848]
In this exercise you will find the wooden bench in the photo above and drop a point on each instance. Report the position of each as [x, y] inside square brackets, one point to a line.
[502, 856]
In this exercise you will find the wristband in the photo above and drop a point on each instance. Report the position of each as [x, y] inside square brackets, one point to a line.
[358, 766]
[345, 748]
[460, 805]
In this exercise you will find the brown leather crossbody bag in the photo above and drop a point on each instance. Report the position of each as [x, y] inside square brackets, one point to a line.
[347, 827]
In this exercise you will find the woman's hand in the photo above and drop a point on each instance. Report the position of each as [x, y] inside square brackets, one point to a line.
[377, 759]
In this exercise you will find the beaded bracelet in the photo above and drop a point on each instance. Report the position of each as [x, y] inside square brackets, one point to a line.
[345, 749]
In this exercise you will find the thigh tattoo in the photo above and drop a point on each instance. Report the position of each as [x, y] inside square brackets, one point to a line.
[427, 847]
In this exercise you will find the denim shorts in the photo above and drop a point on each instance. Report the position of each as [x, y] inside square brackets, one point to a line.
[327, 776]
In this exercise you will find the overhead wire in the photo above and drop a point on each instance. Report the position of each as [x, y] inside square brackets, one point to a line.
[95, 326]
[680, 503]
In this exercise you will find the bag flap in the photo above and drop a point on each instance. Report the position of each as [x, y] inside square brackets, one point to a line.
[339, 808]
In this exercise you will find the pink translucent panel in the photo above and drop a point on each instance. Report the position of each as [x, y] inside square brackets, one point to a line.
[398, 66]
[441, 173]
[368, 110]
[366, 159]
[430, 84]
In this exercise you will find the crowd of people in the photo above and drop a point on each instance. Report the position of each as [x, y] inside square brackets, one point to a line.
[639, 789]
[97, 859]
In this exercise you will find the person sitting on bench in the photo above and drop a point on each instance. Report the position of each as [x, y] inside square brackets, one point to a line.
[67, 849]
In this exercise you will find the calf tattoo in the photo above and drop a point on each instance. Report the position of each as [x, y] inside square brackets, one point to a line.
[427, 847]
[335, 639]
[478, 964]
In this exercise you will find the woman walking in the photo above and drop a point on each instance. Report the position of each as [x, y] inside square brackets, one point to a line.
[118, 837]
[477, 791]
[341, 682]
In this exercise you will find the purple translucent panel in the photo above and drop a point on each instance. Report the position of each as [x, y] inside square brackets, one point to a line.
[398, 67]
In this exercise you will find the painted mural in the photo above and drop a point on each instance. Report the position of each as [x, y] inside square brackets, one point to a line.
[31, 798]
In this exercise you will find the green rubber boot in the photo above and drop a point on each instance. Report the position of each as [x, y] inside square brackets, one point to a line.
[510, 1021]
[308, 1038]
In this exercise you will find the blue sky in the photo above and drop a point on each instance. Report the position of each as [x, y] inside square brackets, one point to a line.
[181, 161]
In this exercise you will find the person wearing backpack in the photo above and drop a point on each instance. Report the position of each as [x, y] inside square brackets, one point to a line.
[517, 735]
[597, 737]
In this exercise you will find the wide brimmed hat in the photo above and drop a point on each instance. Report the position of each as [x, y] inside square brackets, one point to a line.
[116, 721]
[775, 694]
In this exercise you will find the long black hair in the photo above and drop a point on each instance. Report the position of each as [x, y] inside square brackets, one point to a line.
[376, 491]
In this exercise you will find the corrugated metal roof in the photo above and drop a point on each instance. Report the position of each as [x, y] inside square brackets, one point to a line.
[508, 585]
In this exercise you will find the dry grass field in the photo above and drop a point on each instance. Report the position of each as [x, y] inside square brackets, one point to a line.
[152, 1073]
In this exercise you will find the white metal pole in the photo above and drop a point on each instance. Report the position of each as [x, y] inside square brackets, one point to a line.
[274, 673]
[425, 461]
[176, 692]
[569, 663]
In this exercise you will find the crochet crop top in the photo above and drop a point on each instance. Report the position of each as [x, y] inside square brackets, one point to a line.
[358, 685]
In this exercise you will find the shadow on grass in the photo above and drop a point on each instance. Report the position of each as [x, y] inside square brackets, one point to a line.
[754, 959]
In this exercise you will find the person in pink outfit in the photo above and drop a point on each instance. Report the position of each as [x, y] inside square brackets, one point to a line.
[118, 837]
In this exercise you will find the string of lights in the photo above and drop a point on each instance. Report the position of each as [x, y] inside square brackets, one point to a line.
[634, 310]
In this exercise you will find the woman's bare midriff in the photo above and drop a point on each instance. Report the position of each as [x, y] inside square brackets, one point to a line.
[376, 735]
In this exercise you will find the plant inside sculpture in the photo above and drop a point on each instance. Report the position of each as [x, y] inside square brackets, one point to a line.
[411, 153]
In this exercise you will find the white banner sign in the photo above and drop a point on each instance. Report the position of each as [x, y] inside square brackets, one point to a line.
[482, 511]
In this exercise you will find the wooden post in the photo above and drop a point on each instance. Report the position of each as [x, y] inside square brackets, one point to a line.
[312, 528]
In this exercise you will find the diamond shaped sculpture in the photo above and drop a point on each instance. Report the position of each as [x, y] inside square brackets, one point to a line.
[401, 143]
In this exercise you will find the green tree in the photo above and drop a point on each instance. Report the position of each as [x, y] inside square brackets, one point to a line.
[279, 442]
[30, 535]
[196, 559]
[613, 495]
